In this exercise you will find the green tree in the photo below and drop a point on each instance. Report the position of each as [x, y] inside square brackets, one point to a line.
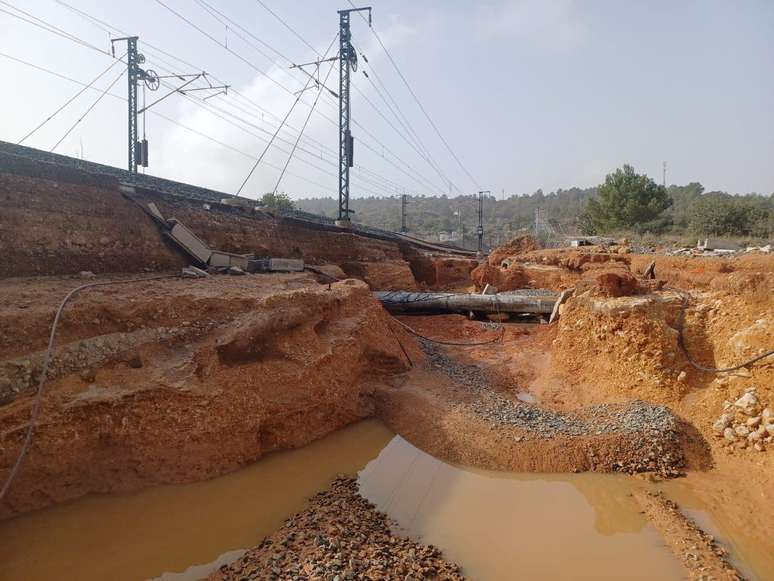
[720, 214]
[278, 202]
[627, 199]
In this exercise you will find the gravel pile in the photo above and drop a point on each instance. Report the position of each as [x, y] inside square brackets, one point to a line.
[339, 536]
[531, 292]
[652, 442]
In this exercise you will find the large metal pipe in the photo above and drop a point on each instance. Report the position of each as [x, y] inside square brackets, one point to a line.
[406, 302]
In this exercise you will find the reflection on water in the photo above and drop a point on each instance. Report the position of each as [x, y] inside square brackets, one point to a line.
[751, 554]
[170, 528]
[506, 526]
[496, 525]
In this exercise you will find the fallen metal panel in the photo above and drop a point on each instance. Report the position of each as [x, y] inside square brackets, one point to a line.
[286, 265]
[189, 242]
[226, 259]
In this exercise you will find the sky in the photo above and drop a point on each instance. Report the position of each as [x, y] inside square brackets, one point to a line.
[527, 94]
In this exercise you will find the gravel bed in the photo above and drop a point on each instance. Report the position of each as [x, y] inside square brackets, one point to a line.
[652, 430]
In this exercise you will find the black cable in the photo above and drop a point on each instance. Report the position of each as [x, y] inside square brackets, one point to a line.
[681, 341]
[454, 343]
[44, 371]
[94, 104]
[70, 100]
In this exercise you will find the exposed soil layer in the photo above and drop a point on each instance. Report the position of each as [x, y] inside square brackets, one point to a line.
[613, 350]
[186, 379]
[340, 535]
[458, 413]
[61, 227]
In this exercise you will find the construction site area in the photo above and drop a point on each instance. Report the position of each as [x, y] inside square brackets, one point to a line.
[284, 344]
[362, 405]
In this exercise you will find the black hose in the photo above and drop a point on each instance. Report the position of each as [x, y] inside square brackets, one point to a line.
[681, 341]
[454, 343]
[44, 370]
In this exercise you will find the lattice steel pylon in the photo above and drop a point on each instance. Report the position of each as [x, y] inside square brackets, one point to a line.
[132, 68]
[347, 63]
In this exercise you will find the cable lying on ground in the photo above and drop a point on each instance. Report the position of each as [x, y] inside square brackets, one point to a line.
[44, 370]
[499, 338]
[681, 341]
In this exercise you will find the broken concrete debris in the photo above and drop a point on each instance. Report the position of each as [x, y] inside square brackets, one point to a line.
[193, 272]
[227, 259]
[189, 242]
[275, 265]
[218, 260]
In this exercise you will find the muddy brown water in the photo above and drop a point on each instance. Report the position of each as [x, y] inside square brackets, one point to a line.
[496, 525]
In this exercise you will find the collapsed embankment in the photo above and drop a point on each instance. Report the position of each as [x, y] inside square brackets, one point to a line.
[182, 380]
[85, 223]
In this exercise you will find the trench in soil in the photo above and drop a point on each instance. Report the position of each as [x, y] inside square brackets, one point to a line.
[496, 524]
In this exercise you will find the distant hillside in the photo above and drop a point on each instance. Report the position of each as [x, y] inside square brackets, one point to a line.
[430, 216]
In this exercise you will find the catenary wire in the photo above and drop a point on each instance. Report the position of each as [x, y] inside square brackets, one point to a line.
[419, 103]
[303, 127]
[94, 104]
[66, 103]
[106, 28]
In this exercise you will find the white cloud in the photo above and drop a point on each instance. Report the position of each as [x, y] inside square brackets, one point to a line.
[545, 23]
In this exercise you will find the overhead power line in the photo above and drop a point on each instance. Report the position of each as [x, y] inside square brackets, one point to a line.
[303, 127]
[160, 116]
[421, 106]
[94, 104]
[246, 61]
[298, 98]
[66, 103]
[372, 177]
[286, 25]
[48, 27]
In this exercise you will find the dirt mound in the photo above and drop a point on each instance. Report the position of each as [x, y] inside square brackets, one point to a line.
[209, 376]
[382, 275]
[603, 281]
[340, 535]
[748, 274]
[452, 272]
[626, 346]
[503, 279]
[574, 259]
[555, 269]
[518, 245]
